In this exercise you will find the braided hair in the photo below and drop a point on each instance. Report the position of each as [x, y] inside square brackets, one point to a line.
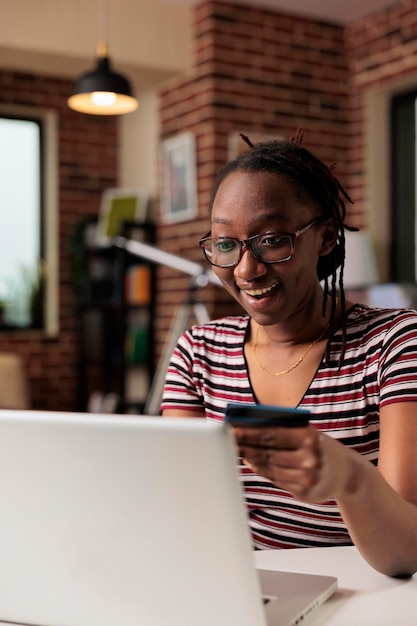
[313, 182]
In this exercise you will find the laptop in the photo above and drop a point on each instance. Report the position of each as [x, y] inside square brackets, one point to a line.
[111, 520]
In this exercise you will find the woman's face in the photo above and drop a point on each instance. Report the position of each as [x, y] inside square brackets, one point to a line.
[259, 203]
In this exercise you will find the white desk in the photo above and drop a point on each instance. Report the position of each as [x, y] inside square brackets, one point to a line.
[364, 597]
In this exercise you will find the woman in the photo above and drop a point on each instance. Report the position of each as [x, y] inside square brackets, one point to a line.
[277, 234]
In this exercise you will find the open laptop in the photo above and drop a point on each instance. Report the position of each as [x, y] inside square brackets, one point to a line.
[110, 520]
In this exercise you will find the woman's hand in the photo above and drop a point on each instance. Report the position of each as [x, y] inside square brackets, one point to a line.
[305, 462]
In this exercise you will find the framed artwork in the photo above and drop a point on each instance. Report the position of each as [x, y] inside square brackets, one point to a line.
[236, 145]
[178, 178]
[120, 205]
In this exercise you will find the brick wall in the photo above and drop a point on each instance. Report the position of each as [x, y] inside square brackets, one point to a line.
[382, 55]
[257, 72]
[254, 71]
[265, 72]
[88, 149]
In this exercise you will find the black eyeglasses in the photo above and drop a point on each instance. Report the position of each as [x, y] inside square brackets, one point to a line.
[270, 248]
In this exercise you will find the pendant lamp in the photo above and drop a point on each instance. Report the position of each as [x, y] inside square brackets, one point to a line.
[102, 91]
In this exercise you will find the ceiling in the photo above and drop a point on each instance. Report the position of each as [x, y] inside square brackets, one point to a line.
[30, 43]
[342, 11]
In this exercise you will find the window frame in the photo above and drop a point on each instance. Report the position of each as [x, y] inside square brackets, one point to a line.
[48, 121]
[403, 186]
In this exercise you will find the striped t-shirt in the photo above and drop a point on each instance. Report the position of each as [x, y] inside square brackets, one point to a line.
[208, 369]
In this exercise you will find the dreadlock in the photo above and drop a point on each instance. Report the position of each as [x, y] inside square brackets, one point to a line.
[314, 182]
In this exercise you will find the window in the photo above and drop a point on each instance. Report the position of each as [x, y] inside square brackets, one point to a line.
[28, 269]
[403, 176]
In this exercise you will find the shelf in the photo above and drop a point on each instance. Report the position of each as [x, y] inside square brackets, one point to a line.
[116, 305]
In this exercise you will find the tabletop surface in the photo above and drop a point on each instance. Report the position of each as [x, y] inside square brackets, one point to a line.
[364, 596]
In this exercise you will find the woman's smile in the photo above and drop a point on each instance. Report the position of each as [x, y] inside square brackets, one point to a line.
[259, 293]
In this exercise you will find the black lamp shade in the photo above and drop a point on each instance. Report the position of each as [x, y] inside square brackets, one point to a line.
[103, 92]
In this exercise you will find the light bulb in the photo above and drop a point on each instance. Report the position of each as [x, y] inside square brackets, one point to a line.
[103, 98]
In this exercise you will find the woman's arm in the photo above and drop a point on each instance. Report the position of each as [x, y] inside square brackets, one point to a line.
[379, 506]
[382, 514]
[184, 413]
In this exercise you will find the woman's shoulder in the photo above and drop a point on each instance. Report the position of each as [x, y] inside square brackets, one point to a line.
[228, 326]
[370, 330]
[364, 314]
[228, 330]
[219, 336]
[361, 318]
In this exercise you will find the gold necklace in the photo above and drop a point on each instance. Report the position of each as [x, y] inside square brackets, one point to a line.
[292, 367]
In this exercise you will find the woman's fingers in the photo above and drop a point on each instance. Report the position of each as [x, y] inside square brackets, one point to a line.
[276, 437]
[301, 458]
[289, 457]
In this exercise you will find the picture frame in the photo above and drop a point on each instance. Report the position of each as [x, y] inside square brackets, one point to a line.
[178, 178]
[117, 206]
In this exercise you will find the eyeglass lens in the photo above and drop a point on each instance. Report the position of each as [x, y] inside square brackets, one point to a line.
[226, 252]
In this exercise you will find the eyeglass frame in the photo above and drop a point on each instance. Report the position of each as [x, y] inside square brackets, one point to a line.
[248, 243]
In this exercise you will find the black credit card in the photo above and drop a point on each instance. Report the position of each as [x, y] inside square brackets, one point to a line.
[265, 415]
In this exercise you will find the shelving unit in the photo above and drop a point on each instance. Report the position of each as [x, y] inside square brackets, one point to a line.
[116, 306]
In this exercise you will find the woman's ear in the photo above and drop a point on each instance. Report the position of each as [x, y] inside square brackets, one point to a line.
[331, 253]
[329, 233]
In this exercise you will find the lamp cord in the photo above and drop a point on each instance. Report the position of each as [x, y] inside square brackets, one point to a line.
[102, 28]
